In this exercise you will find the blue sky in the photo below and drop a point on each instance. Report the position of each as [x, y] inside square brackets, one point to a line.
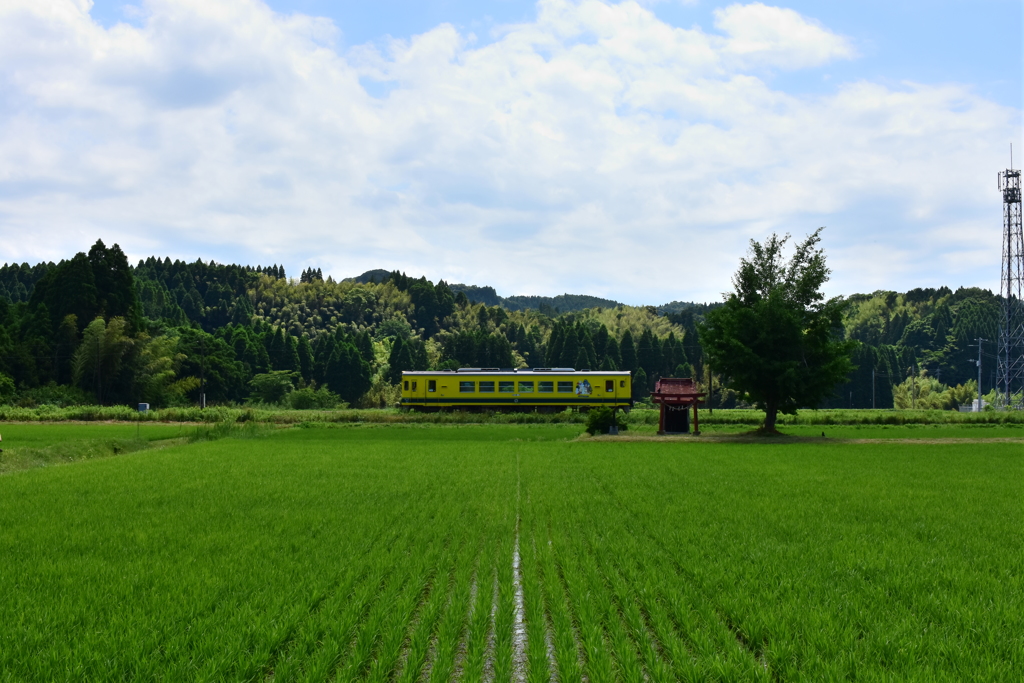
[541, 148]
[968, 41]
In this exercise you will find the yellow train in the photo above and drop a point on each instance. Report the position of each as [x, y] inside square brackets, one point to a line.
[546, 389]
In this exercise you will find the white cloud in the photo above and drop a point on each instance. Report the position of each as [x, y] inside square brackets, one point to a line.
[775, 36]
[595, 150]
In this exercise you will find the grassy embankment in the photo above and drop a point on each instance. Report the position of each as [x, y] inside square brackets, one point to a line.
[638, 416]
[388, 554]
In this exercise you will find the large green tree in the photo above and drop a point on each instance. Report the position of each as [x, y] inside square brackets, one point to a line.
[212, 359]
[346, 373]
[157, 379]
[399, 360]
[68, 289]
[115, 285]
[99, 359]
[776, 339]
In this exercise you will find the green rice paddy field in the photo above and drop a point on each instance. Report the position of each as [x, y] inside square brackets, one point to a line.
[511, 553]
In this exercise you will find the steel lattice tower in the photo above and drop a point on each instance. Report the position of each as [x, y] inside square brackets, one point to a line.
[1010, 378]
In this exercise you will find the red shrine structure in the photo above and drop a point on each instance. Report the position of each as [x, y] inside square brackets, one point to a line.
[676, 395]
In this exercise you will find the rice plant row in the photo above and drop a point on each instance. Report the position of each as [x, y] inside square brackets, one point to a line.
[319, 555]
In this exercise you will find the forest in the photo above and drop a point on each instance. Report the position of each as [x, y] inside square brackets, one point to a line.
[95, 329]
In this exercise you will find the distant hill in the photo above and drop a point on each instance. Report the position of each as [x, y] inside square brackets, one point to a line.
[563, 303]
[675, 307]
[478, 295]
[552, 305]
[370, 276]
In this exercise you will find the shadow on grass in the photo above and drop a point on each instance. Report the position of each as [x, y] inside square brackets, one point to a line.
[20, 459]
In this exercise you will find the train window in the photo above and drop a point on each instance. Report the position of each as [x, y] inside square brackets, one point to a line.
[622, 383]
[545, 387]
[487, 387]
[405, 385]
[609, 385]
[431, 385]
[506, 387]
[526, 387]
[467, 387]
[414, 386]
[565, 387]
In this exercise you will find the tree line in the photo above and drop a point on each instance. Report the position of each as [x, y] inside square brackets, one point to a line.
[94, 328]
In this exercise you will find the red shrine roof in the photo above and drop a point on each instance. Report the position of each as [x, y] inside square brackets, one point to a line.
[677, 390]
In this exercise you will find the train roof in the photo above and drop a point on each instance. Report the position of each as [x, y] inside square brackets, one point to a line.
[516, 371]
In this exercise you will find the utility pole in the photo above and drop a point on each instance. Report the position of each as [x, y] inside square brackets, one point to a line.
[202, 372]
[711, 393]
[872, 388]
[99, 371]
[979, 372]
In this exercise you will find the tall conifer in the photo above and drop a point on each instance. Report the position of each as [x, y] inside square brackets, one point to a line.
[365, 346]
[399, 360]
[305, 358]
[570, 348]
[648, 353]
[587, 346]
[554, 350]
[612, 356]
[627, 352]
[601, 343]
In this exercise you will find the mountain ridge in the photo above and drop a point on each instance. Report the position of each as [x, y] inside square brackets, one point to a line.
[553, 305]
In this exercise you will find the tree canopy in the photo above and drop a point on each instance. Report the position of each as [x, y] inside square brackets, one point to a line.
[776, 339]
[184, 323]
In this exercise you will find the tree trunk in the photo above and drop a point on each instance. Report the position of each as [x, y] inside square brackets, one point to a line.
[771, 414]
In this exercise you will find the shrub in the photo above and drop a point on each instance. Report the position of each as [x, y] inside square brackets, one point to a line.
[600, 420]
[54, 394]
[6, 388]
[382, 394]
[309, 398]
[271, 387]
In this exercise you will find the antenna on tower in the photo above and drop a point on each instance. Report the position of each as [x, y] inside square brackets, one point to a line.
[1010, 350]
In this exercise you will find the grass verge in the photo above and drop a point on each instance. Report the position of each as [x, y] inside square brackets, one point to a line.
[634, 418]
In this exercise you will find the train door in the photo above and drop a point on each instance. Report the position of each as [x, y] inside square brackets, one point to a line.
[622, 389]
[446, 386]
[414, 387]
